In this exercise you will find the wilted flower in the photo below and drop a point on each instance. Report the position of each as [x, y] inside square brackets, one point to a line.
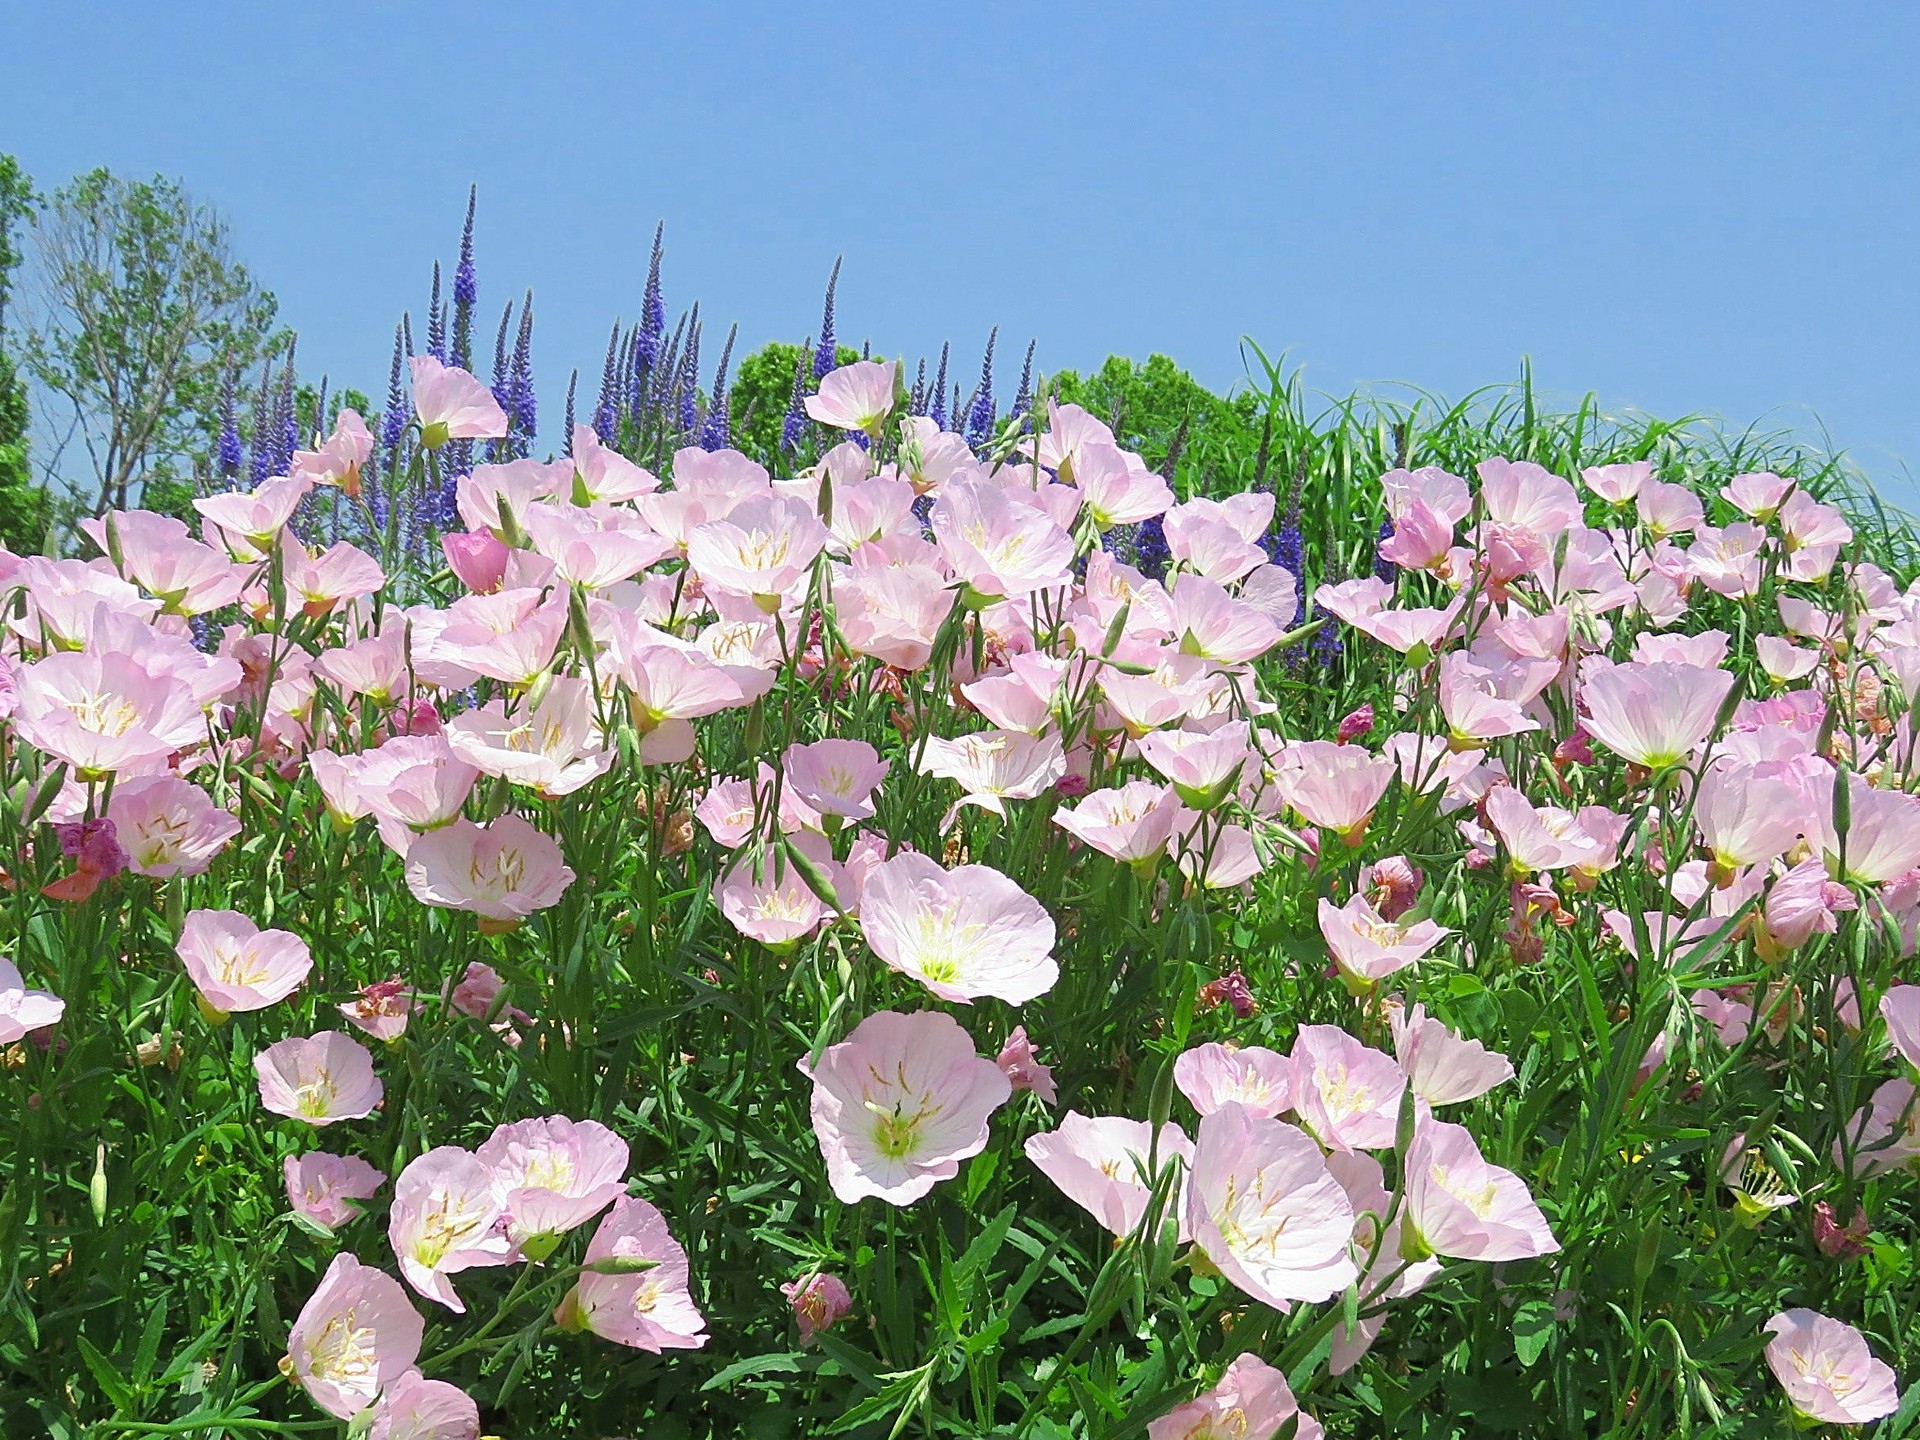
[1022, 1067]
[818, 1303]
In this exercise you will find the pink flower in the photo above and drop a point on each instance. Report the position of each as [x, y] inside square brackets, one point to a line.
[323, 1187]
[249, 522]
[766, 898]
[900, 1103]
[1882, 841]
[342, 572]
[855, 397]
[962, 933]
[1213, 1075]
[236, 965]
[477, 996]
[1654, 715]
[1251, 1402]
[383, 1009]
[167, 826]
[410, 783]
[1618, 484]
[1758, 495]
[818, 1302]
[356, 1335]
[415, 1408]
[1545, 838]
[503, 871]
[1107, 1165]
[318, 1079]
[1461, 1207]
[1203, 767]
[1334, 786]
[1209, 622]
[553, 748]
[836, 777]
[1367, 947]
[1745, 818]
[763, 548]
[1900, 1008]
[1264, 1208]
[24, 1010]
[1480, 704]
[1665, 509]
[551, 1175]
[1118, 486]
[445, 1218]
[1421, 538]
[1802, 903]
[104, 713]
[452, 405]
[594, 551]
[1347, 1094]
[160, 555]
[1828, 1372]
[649, 1309]
[1022, 1067]
[1392, 886]
[338, 461]
[999, 544]
[478, 559]
[1132, 823]
[1443, 1068]
[993, 766]
[604, 472]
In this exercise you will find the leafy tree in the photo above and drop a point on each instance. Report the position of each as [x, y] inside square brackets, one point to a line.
[143, 309]
[24, 506]
[1157, 409]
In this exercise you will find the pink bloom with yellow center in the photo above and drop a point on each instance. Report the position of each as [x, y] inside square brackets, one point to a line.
[649, 1309]
[318, 1079]
[1107, 1165]
[236, 965]
[900, 1103]
[1213, 1075]
[452, 405]
[1251, 1402]
[1264, 1208]
[168, 826]
[1367, 947]
[502, 871]
[962, 933]
[1461, 1207]
[323, 1187]
[1827, 1370]
[355, 1336]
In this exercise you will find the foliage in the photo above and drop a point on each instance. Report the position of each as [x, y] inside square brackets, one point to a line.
[144, 311]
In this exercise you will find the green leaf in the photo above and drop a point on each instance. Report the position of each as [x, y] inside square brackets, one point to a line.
[117, 1389]
[787, 1363]
[1533, 1327]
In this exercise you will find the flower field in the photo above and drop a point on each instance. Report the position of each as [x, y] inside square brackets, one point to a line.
[959, 930]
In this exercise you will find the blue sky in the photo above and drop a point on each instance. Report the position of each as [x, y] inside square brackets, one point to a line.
[1709, 207]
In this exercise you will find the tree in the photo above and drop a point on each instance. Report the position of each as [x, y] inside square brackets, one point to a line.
[142, 310]
[25, 507]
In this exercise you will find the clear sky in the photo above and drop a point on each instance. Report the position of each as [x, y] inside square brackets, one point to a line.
[1699, 207]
